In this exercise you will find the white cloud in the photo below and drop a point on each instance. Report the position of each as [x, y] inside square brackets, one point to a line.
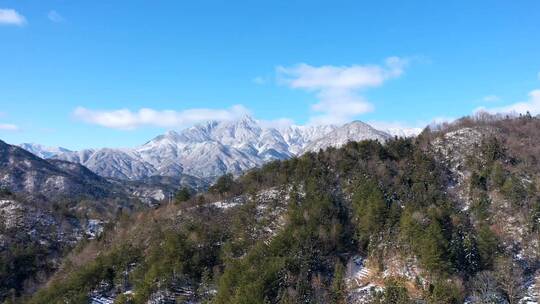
[531, 105]
[8, 127]
[55, 17]
[125, 119]
[11, 17]
[338, 87]
[491, 98]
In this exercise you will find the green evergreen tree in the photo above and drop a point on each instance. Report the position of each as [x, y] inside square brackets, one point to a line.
[338, 284]
[394, 293]
[444, 291]
[182, 195]
[497, 175]
[487, 244]
[433, 249]
[370, 210]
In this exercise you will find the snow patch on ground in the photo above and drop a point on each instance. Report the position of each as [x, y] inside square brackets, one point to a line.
[532, 295]
[270, 205]
[101, 300]
[453, 148]
[404, 268]
[357, 273]
[358, 279]
[225, 205]
[94, 228]
[363, 294]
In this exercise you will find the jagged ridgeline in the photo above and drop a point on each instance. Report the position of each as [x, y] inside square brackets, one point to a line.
[447, 216]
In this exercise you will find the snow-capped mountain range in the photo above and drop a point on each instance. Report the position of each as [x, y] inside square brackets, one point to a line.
[211, 149]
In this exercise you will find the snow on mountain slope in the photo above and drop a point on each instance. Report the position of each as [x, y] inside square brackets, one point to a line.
[115, 163]
[214, 148]
[298, 137]
[205, 150]
[81, 156]
[353, 131]
[22, 171]
[43, 151]
[403, 132]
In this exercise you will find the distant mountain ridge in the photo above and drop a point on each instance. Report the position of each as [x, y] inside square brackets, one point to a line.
[211, 149]
[43, 151]
[353, 131]
[22, 171]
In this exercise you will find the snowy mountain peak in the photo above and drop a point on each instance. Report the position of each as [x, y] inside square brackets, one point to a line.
[247, 119]
[213, 148]
[171, 134]
[356, 124]
[353, 131]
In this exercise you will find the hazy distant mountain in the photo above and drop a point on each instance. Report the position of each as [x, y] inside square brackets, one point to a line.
[402, 132]
[43, 151]
[214, 148]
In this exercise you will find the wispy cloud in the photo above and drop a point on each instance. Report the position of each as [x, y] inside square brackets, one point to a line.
[125, 119]
[55, 17]
[11, 17]
[491, 98]
[277, 123]
[259, 80]
[338, 88]
[8, 127]
[531, 105]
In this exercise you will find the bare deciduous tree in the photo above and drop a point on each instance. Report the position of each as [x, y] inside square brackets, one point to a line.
[484, 287]
[509, 278]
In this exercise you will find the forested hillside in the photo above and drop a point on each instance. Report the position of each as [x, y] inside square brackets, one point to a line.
[447, 217]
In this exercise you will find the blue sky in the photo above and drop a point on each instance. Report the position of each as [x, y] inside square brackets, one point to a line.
[77, 73]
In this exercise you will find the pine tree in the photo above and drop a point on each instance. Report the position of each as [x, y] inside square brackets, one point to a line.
[338, 284]
[182, 195]
[371, 210]
[487, 244]
[433, 248]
